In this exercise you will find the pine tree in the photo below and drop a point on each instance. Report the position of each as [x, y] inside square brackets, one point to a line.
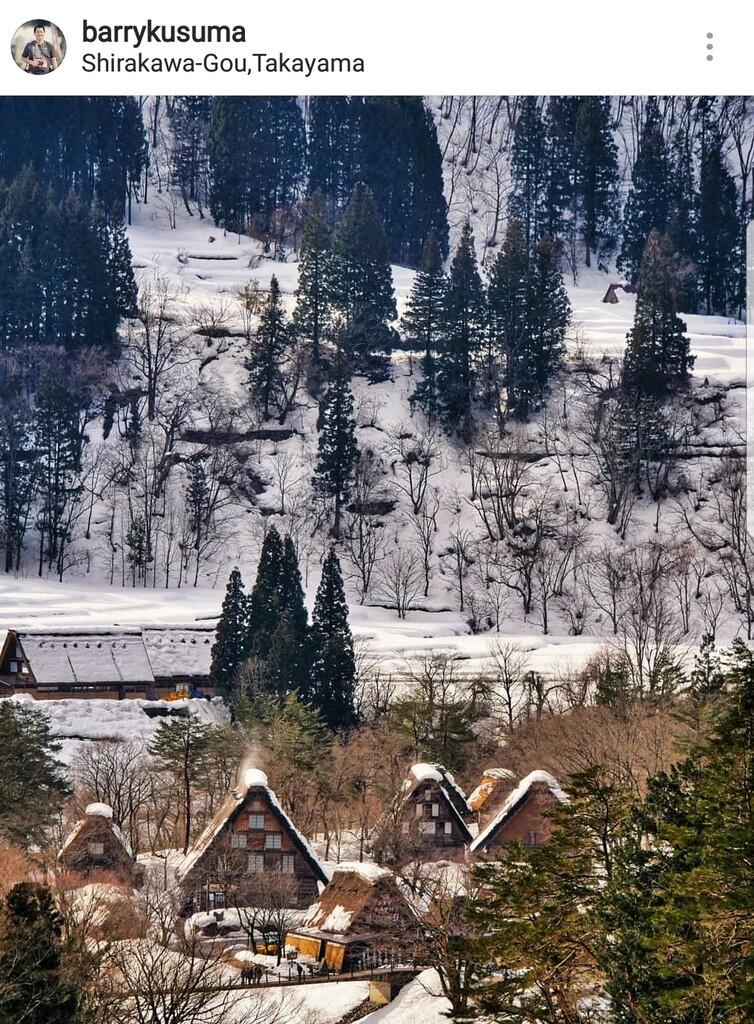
[682, 220]
[189, 122]
[35, 988]
[231, 647]
[313, 315]
[465, 316]
[649, 199]
[550, 317]
[657, 356]
[719, 232]
[121, 285]
[267, 353]
[563, 171]
[31, 799]
[289, 656]
[181, 747]
[257, 158]
[362, 274]
[529, 171]
[265, 598]
[597, 162]
[338, 450]
[508, 297]
[423, 321]
[333, 666]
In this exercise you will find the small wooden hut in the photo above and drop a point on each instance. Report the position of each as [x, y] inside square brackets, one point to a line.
[361, 919]
[96, 845]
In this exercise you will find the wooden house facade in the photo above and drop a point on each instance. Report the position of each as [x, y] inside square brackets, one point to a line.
[106, 663]
[524, 816]
[96, 846]
[434, 817]
[250, 836]
[361, 919]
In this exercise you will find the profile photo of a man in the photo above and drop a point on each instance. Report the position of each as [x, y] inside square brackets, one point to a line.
[39, 47]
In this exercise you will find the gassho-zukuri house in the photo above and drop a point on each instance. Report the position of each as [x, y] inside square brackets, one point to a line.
[252, 831]
[524, 816]
[96, 846]
[361, 917]
[136, 662]
[434, 816]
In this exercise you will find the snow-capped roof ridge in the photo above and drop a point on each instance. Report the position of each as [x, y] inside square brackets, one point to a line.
[367, 870]
[99, 810]
[514, 798]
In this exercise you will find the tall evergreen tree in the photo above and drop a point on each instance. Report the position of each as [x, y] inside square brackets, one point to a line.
[30, 799]
[34, 987]
[231, 647]
[289, 656]
[265, 598]
[189, 122]
[657, 354]
[423, 321]
[719, 232]
[268, 348]
[362, 276]
[333, 665]
[649, 199]
[508, 299]
[597, 162]
[530, 161]
[313, 315]
[338, 450]
[563, 167]
[465, 316]
[684, 210]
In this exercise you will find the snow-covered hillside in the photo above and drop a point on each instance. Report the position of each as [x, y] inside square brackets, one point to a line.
[205, 268]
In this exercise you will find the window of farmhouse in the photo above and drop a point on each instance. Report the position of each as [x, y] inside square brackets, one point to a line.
[237, 841]
[289, 863]
[96, 849]
[256, 822]
[256, 862]
[273, 841]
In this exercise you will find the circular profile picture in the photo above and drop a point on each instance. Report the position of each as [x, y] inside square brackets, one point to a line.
[38, 47]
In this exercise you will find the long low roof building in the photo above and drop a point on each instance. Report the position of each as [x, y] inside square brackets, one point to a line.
[127, 662]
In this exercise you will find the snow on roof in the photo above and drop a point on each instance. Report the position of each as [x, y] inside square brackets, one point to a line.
[99, 810]
[254, 777]
[93, 656]
[179, 650]
[232, 803]
[513, 800]
[426, 772]
[435, 773]
[92, 816]
[341, 905]
[366, 869]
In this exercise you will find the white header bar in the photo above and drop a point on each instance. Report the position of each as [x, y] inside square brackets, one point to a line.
[407, 47]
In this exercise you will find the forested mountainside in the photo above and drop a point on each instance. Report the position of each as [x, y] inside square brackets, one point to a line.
[378, 324]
